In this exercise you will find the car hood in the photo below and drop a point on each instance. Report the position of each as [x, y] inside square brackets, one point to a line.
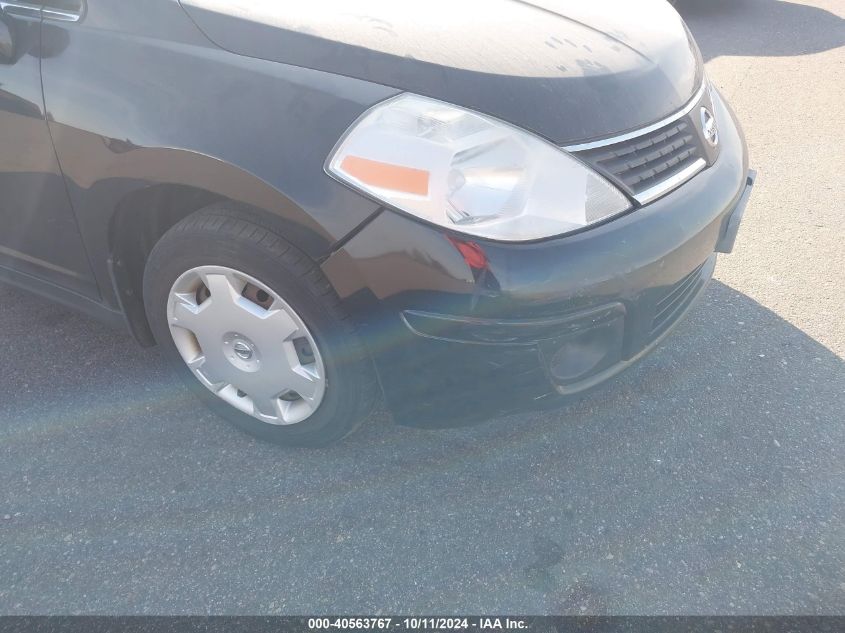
[567, 69]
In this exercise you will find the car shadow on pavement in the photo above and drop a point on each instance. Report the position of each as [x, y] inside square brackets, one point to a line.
[761, 28]
[716, 463]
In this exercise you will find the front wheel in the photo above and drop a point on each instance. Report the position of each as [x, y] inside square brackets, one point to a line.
[256, 331]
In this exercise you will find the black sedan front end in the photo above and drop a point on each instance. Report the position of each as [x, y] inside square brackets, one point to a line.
[473, 207]
[463, 328]
[550, 184]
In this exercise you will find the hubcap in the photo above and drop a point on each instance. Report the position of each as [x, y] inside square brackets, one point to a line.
[244, 343]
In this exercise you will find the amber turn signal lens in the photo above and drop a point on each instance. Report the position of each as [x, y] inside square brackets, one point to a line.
[387, 176]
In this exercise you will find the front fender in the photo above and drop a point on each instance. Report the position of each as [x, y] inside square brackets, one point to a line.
[137, 96]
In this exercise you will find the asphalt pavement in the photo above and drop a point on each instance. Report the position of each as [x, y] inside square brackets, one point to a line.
[708, 479]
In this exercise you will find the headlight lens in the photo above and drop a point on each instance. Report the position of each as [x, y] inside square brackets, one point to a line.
[470, 173]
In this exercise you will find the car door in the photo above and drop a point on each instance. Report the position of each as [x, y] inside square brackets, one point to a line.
[39, 236]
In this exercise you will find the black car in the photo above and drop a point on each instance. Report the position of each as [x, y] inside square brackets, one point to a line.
[468, 207]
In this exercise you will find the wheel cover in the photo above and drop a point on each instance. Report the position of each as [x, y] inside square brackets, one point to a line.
[258, 356]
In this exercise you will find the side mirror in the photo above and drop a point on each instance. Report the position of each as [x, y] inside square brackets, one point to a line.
[7, 43]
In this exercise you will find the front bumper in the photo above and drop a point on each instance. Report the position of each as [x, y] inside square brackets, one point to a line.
[461, 330]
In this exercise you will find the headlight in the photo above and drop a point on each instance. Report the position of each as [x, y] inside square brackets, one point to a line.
[470, 173]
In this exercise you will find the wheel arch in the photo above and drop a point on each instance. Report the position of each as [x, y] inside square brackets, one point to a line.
[140, 219]
[138, 210]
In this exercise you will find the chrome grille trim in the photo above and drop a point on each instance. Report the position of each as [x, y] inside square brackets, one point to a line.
[670, 183]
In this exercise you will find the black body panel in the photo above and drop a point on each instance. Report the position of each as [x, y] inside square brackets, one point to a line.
[154, 104]
[569, 71]
[38, 231]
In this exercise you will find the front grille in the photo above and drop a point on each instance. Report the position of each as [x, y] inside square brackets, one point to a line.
[652, 163]
[675, 299]
[644, 162]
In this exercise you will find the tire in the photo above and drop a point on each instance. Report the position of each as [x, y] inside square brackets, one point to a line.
[223, 236]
